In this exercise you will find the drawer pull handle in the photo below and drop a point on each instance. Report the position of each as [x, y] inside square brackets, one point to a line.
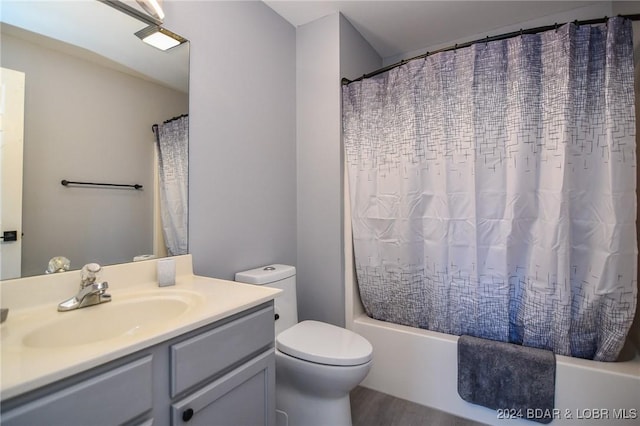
[187, 414]
[277, 316]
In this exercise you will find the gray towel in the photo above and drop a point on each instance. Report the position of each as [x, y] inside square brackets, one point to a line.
[515, 380]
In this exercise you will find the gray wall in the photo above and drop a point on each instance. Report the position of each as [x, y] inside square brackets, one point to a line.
[327, 50]
[265, 148]
[260, 91]
[320, 252]
[242, 147]
[90, 123]
[357, 57]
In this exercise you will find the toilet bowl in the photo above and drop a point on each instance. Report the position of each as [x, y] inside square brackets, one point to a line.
[317, 364]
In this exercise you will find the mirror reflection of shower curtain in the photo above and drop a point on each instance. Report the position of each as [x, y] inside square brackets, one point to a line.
[493, 190]
[173, 158]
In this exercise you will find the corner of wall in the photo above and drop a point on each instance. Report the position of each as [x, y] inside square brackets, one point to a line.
[319, 227]
[357, 57]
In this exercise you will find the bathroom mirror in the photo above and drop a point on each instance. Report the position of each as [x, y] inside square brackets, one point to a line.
[92, 92]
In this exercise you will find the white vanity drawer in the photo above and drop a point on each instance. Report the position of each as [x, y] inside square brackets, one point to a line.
[111, 398]
[201, 357]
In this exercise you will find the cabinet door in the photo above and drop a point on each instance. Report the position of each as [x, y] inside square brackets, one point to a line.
[207, 354]
[111, 398]
[244, 396]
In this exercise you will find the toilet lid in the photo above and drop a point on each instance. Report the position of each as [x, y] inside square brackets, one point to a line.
[324, 343]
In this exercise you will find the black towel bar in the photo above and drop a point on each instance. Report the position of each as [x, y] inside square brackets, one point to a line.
[118, 185]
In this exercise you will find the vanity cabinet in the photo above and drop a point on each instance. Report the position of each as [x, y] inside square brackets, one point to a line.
[97, 400]
[220, 374]
[237, 398]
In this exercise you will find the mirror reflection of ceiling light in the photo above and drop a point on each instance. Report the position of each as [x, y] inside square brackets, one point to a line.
[159, 37]
[154, 35]
[152, 7]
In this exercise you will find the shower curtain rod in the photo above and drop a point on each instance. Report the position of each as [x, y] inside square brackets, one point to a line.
[346, 81]
[154, 128]
[175, 118]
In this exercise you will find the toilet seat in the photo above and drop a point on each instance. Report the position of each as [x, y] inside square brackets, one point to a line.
[323, 343]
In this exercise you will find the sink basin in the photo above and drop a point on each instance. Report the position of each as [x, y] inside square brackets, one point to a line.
[126, 316]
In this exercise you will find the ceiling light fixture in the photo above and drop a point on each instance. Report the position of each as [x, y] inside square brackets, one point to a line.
[145, 16]
[159, 37]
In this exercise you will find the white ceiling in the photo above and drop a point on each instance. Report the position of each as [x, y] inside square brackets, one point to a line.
[394, 28]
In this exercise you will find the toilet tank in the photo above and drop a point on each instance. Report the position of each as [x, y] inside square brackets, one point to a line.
[282, 277]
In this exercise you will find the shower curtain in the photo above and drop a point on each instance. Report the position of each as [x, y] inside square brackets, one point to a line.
[173, 158]
[493, 190]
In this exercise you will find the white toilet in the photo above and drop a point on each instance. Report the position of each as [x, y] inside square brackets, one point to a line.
[317, 364]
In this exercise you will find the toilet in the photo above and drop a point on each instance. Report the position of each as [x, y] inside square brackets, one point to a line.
[317, 364]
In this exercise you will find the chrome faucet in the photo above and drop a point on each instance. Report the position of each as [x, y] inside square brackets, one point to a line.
[92, 292]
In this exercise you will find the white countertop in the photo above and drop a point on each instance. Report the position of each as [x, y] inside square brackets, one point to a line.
[25, 368]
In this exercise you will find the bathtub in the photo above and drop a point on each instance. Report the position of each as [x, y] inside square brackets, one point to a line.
[421, 366]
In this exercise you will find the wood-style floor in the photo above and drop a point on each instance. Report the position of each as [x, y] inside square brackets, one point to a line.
[372, 408]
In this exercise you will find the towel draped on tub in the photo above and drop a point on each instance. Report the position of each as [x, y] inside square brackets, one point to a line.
[515, 380]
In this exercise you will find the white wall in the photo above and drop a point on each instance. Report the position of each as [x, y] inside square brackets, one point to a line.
[242, 170]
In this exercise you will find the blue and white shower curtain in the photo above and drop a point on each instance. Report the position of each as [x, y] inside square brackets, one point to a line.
[493, 190]
[173, 167]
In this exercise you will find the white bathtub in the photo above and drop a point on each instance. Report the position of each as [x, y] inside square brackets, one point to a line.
[421, 366]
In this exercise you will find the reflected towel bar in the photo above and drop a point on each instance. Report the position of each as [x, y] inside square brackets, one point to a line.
[118, 185]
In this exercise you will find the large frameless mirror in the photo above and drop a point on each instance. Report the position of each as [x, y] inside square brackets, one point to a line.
[81, 94]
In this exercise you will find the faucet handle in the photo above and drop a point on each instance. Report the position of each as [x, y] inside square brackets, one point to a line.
[90, 273]
[58, 264]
